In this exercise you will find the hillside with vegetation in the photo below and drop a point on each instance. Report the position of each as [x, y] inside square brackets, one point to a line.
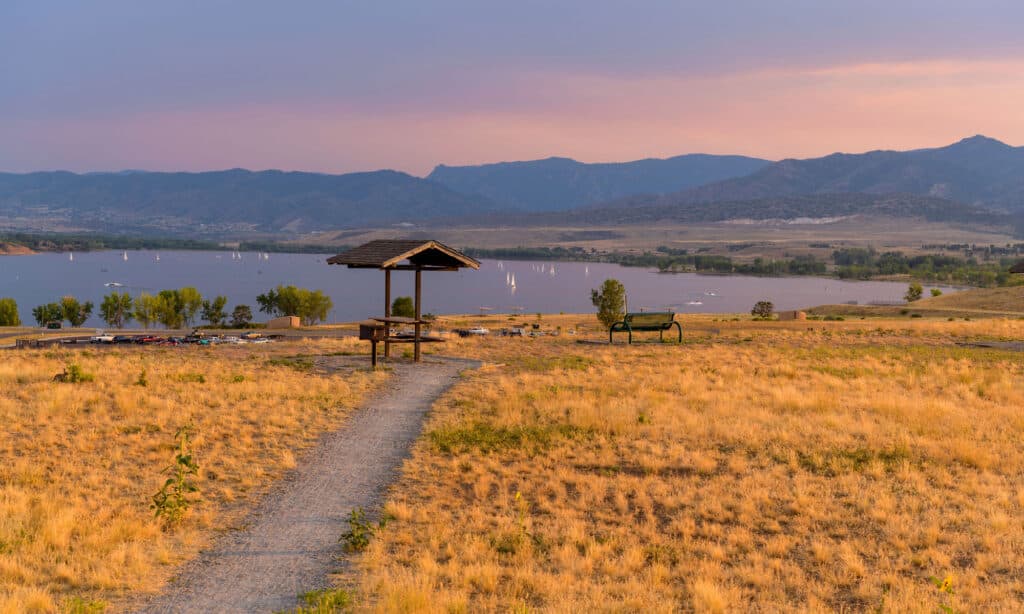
[562, 183]
[978, 170]
[228, 201]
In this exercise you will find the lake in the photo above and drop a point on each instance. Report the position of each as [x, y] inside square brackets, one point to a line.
[357, 293]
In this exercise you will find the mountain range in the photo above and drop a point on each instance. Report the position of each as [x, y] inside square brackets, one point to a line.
[555, 184]
[977, 179]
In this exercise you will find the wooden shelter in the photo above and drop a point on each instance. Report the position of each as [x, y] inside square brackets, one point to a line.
[403, 255]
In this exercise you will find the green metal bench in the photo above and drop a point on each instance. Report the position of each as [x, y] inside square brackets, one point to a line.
[660, 321]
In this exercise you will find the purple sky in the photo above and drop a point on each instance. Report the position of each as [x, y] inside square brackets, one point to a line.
[353, 85]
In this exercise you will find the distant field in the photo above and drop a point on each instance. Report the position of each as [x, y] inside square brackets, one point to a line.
[977, 303]
[804, 466]
[771, 240]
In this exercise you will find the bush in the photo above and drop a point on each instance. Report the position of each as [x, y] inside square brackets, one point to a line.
[914, 292]
[403, 307]
[610, 301]
[763, 309]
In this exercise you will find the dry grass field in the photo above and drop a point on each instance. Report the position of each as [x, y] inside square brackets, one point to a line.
[83, 460]
[799, 466]
[765, 239]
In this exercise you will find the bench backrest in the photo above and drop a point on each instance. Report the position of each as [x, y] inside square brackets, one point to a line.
[650, 318]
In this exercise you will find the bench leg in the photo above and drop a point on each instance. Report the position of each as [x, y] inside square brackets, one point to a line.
[680, 329]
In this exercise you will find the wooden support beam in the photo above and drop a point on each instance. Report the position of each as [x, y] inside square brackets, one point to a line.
[387, 307]
[419, 285]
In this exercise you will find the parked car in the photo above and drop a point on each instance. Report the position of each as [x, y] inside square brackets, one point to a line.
[101, 337]
[122, 339]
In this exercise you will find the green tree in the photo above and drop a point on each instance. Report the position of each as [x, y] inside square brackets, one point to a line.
[213, 311]
[170, 308]
[147, 307]
[50, 312]
[9, 312]
[936, 292]
[315, 306]
[403, 307]
[311, 306]
[914, 292]
[241, 316]
[191, 302]
[74, 311]
[610, 301]
[763, 309]
[116, 309]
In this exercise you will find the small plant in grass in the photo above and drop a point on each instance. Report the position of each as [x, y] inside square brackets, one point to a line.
[945, 586]
[73, 374]
[142, 381]
[324, 601]
[357, 538]
[77, 605]
[361, 530]
[173, 499]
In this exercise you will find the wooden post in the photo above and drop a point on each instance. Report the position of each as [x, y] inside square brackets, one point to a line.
[373, 353]
[387, 313]
[416, 342]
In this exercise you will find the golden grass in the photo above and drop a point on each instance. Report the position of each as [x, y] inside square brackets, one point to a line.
[82, 461]
[801, 466]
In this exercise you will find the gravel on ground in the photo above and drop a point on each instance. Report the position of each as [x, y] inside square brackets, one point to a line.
[291, 543]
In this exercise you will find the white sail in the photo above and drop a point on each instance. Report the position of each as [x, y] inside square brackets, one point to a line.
[71, 257]
[124, 256]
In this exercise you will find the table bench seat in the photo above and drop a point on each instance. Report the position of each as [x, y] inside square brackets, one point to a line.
[646, 321]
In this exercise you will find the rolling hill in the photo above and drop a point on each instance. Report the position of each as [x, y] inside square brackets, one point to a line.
[561, 183]
[268, 201]
[978, 170]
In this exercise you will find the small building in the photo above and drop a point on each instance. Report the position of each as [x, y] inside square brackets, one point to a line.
[792, 315]
[285, 322]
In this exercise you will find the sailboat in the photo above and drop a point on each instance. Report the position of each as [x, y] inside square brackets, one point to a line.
[586, 271]
[158, 257]
[551, 271]
[124, 256]
[71, 257]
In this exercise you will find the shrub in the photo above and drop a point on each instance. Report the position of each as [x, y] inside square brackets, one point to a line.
[936, 292]
[610, 301]
[914, 292]
[763, 309]
[73, 374]
[357, 538]
[403, 307]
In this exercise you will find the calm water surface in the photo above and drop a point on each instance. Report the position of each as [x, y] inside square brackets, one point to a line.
[539, 287]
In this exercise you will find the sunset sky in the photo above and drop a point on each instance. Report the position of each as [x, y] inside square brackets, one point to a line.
[355, 85]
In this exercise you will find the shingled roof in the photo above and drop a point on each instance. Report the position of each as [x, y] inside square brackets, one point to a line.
[1018, 268]
[391, 253]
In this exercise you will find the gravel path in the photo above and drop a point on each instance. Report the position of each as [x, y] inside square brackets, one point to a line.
[291, 543]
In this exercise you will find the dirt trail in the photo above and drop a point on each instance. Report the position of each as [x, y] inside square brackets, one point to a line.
[291, 543]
